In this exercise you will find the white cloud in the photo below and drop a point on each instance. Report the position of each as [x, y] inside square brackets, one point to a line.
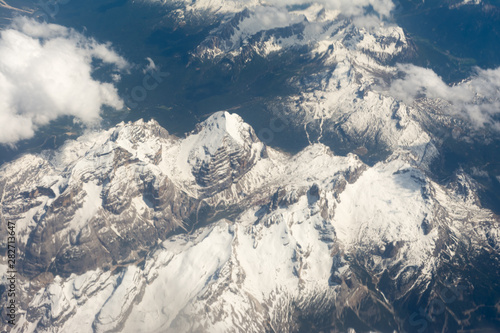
[477, 99]
[264, 18]
[150, 67]
[346, 7]
[269, 14]
[46, 72]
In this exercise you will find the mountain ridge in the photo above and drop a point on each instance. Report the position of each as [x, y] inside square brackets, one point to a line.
[305, 214]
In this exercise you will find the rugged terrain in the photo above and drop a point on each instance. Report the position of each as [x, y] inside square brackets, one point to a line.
[133, 229]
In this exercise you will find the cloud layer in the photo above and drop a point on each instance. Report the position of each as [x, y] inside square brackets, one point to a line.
[46, 72]
[346, 7]
[477, 99]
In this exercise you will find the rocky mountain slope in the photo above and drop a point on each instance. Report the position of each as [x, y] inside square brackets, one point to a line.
[132, 229]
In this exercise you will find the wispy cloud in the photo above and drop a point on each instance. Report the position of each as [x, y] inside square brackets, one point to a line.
[46, 72]
[346, 7]
[477, 99]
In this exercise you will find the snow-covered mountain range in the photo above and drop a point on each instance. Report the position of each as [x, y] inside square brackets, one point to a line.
[133, 229]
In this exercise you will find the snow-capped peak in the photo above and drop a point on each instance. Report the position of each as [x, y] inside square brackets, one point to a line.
[220, 143]
[221, 127]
